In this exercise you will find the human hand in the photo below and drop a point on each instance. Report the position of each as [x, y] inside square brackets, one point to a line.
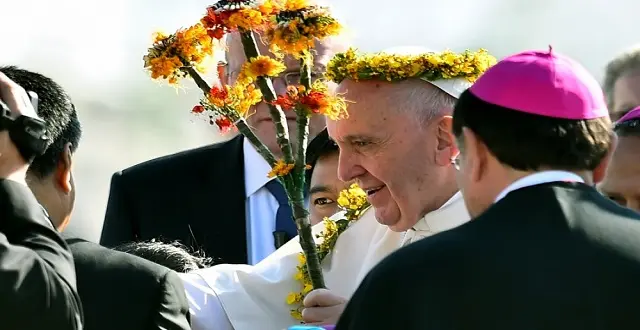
[12, 165]
[322, 306]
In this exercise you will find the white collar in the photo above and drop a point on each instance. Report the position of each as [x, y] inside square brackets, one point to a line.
[451, 214]
[256, 169]
[539, 178]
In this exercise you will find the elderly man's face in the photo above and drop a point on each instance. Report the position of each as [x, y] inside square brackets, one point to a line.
[626, 94]
[259, 119]
[400, 162]
[325, 188]
[622, 180]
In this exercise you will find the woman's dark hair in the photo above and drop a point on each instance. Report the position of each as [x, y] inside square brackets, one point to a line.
[628, 127]
[174, 255]
[528, 142]
[320, 146]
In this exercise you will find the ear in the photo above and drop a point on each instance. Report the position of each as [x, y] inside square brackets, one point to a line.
[223, 74]
[600, 171]
[475, 158]
[445, 142]
[63, 170]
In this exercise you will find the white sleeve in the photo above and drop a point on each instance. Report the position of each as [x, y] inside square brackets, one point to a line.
[205, 308]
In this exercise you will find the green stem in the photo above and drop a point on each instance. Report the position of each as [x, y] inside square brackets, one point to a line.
[269, 94]
[241, 124]
[305, 71]
[307, 243]
[262, 149]
[300, 214]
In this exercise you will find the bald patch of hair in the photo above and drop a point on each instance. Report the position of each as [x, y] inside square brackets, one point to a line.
[621, 65]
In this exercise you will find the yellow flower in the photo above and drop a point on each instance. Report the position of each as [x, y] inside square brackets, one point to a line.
[298, 276]
[262, 66]
[302, 259]
[292, 298]
[296, 314]
[295, 5]
[352, 198]
[307, 288]
[170, 54]
[296, 34]
[233, 101]
[280, 169]
[247, 19]
[390, 67]
[158, 36]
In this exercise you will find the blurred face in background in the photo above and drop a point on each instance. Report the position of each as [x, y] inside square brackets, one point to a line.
[626, 94]
[259, 118]
[325, 188]
[622, 179]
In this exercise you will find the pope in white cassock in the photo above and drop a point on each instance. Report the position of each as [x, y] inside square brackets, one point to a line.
[398, 146]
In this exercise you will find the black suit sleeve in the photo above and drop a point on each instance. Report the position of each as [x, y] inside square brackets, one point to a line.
[37, 276]
[173, 312]
[371, 304]
[118, 227]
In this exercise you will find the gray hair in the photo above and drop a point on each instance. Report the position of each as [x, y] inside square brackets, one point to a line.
[424, 100]
[616, 68]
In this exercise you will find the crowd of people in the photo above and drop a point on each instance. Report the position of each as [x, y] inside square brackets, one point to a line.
[510, 202]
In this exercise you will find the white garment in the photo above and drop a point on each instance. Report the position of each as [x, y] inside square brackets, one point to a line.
[253, 297]
[539, 178]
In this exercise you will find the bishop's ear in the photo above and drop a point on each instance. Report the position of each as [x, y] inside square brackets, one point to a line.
[445, 141]
[475, 158]
[63, 170]
[600, 171]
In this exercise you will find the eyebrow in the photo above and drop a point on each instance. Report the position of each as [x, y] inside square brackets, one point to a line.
[351, 138]
[319, 189]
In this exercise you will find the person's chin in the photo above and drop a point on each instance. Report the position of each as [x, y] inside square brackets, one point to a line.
[385, 217]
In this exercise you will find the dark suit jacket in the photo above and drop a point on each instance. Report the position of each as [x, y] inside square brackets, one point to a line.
[196, 197]
[122, 291]
[551, 256]
[37, 278]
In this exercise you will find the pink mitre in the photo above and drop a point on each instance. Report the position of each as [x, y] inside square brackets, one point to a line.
[453, 87]
[633, 114]
[544, 84]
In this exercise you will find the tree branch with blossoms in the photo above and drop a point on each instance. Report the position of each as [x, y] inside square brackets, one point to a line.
[291, 27]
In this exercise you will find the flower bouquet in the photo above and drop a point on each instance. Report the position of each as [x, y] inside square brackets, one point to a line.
[291, 27]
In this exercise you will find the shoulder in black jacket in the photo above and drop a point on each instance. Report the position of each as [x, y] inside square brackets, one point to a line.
[37, 277]
[121, 291]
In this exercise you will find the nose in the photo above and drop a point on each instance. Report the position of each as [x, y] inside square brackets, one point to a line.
[349, 167]
[279, 85]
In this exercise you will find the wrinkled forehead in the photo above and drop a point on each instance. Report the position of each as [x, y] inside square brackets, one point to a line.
[235, 56]
[374, 108]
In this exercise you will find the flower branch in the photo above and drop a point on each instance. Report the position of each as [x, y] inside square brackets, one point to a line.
[266, 87]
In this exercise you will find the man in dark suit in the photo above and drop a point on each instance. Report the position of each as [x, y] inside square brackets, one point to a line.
[117, 290]
[37, 277]
[545, 250]
[217, 198]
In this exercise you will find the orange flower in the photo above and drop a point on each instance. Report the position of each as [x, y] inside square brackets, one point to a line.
[280, 168]
[316, 100]
[198, 109]
[224, 124]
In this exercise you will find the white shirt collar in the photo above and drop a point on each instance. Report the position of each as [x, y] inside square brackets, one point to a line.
[256, 169]
[539, 178]
[451, 214]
